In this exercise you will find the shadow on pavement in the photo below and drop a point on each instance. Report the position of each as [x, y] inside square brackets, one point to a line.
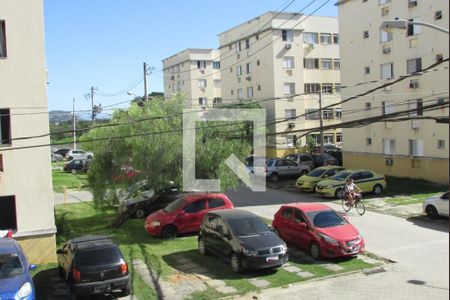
[441, 224]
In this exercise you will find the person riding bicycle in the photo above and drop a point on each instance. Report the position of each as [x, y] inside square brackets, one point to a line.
[351, 191]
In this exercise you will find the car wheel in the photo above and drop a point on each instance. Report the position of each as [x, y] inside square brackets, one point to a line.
[202, 247]
[304, 172]
[89, 157]
[377, 189]
[339, 194]
[274, 177]
[432, 212]
[70, 158]
[140, 213]
[236, 263]
[169, 232]
[314, 250]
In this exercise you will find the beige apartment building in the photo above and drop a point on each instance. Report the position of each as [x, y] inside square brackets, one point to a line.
[26, 196]
[195, 75]
[417, 147]
[282, 61]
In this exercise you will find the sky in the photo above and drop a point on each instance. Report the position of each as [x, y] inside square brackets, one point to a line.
[104, 43]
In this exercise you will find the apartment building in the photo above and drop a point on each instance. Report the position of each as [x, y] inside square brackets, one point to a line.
[419, 146]
[26, 196]
[282, 61]
[195, 75]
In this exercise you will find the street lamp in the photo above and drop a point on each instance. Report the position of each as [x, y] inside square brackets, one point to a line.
[388, 26]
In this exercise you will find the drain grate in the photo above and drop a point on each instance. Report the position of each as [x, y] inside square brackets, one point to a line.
[374, 271]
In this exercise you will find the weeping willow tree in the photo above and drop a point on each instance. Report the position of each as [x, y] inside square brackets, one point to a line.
[146, 140]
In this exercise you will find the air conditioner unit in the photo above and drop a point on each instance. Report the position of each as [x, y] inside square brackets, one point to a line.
[413, 84]
[288, 46]
[415, 124]
[412, 4]
[387, 50]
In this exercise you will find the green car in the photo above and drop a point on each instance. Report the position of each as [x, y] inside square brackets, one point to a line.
[308, 182]
[368, 181]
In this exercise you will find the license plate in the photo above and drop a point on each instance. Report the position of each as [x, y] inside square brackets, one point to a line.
[271, 258]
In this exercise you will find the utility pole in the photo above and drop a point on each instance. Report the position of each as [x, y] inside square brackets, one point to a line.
[92, 103]
[321, 122]
[74, 126]
[145, 82]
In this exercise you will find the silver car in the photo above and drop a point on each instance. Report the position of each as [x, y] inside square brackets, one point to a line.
[281, 167]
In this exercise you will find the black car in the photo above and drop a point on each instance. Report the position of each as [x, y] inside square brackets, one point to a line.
[323, 159]
[93, 265]
[242, 238]
[62, 151]
[77, 165]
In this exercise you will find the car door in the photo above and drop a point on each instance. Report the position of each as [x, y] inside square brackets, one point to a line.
[281, 167]
[191, 216]
[285, 224]
[222, 241]
[303, 235]
[443, 204]
[366, 182]
[292, 168]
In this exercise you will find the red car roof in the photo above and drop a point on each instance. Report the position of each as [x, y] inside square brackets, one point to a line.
[308, 206]
[194, 196]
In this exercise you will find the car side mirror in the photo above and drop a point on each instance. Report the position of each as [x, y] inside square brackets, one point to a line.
[60, 251]
[32, 267]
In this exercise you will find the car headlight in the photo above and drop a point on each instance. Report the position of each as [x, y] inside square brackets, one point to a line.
[25, 290]
[248, 252]
[328, 239]
[155, 224]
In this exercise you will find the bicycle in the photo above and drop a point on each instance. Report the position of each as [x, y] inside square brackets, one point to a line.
[357, 203]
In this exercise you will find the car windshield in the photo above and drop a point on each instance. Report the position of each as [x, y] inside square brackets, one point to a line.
[326, 218]
[175, 205]
[248, 226]
[316, 172]
[97, 257]
[10, 265]
[341, 175]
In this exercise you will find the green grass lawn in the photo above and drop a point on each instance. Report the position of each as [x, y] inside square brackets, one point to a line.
[71, 181]
[83, 218]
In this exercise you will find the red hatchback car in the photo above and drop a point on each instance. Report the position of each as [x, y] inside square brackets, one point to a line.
[185, 214]
[319, 229]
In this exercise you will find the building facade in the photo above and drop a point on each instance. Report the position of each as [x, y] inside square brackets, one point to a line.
[282, 61]
[418, 146]
[26, 195]
[195, 75]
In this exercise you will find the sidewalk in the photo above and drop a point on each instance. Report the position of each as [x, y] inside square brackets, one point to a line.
[72, 197]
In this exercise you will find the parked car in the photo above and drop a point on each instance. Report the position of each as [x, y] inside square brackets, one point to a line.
[318, 229]
[80, 154]
[338, 155]
[93, 265]
[77, 165]
[16, 281]
[243, 238]
[56, 157]
[308, 182]
[326, 148]
[436, 206]
[62, 151]
[368, 181]
[250, 163]
[185, 214]
[303, 159]
[280, 167]
[323, 159]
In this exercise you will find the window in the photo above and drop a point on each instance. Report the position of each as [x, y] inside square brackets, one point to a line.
[336, 38]
[337, 64]
[217, 101]
[412, 29]
[387, 71]
[417, 105]
[327, 88]
[258, 62]
[195, 206]
[412, 3]
[388, 146]
[413, 65]
[337, 88]
[288, 62]
[232, 92]
[312, 114]
[327, 114]
[385, 36]
[326, 63]
[289, 88]
[217, 83]
[8, 213]
[368, 106]
[1, 163]
[202, 101]
[310, 37]
[231, 70]
[416, 147]
[311, 63]
[247, 44]
[287, 35]
[312, 87]
[202, 83]
[366, 70]
[201, 64]
[414, 84]
[239, 70]
[249, 92]
[238, 46]
[338, 137]
[388, 107]
[441, 144]
[5, 127]
[338, 113]
[2, 39]
[249, 68]
[240, 94]
[216, 65]
[298, 217]
[287, 213]
[325, 38]
[290, 113]
[215, 202]
[259, 87]
[385, 11]
[381, 2]
[366, 34]
[438, 15]
[368, 141]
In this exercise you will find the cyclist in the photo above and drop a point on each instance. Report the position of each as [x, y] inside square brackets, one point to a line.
[351, 191]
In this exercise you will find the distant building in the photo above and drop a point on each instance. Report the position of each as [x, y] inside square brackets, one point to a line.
[417, 148]
[194, 74]
[282, 61]
[26, 196]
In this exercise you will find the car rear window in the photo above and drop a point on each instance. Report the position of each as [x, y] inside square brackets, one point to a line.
[215, 202]
[175, 205]
[98, 257]
[10, 265]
